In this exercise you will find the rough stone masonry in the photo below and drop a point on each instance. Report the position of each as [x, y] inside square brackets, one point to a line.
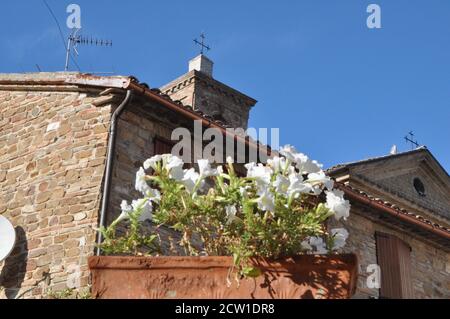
[52, 159]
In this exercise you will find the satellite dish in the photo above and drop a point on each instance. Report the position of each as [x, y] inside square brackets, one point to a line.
[7, 238]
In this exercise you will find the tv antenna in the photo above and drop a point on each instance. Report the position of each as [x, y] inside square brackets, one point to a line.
[410, 140]
[75, 39]
[7, 238]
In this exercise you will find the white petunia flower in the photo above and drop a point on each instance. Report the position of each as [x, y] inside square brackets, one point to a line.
[190, 179]
[205, 168]
[141, 184]
[174, 165]
[337, 204]
[340, 236]
[126, 210]
[320, 178]
[289, 152]
[144, 206]
[262, 174]
[177, 173]
[281, 185]
[231, 213]
[297, 186]
[153, 195]
[266, 201]
[173, 161]
[307, 166]
[151, 162]
[278, 164]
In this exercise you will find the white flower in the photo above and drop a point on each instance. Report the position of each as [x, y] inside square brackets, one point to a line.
[281, 184]
[297, 186]
[337, 204]
[141, 184]
[289, 152]
[126, 210]
[220, 170]
[144, 207]
[151, 162]
[305, 165]
[340, 236]
[278, 164]
[190, 179]
[231, 213]
[319, 244]
[262, 174]
[205, 169]
[153, 195]
[176, 173]
[173, 161]
[320, 178]
[174, 165]
[266, 201]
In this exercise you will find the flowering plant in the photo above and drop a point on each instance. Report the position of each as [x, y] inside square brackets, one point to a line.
[279, 209]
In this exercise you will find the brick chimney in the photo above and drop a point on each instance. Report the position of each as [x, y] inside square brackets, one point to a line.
[198, 89]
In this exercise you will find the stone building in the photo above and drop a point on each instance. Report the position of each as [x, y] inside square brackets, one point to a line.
[70, 144]
[55, 181]
[400, 220]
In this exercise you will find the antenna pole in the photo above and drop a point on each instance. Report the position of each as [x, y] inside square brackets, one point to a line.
[66, 68]
[75, 39]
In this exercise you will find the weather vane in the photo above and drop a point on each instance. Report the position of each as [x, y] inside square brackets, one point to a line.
[202, 44]
[410, 139]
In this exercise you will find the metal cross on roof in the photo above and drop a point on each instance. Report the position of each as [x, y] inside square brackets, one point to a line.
[202, 43]
[410, 139]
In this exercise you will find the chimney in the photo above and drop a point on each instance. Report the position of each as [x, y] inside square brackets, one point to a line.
[203, 64]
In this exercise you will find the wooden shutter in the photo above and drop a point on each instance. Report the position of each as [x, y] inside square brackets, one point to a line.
[163, 146]
[394, 259]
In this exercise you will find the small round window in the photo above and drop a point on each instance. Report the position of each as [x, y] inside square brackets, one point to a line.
[419, 187]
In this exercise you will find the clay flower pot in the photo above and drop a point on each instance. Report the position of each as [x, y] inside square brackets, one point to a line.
[302, 277]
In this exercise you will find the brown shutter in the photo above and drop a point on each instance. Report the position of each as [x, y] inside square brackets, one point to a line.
[394, 259]
[163, 146]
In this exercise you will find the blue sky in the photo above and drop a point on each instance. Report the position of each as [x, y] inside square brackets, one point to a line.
[337, 90]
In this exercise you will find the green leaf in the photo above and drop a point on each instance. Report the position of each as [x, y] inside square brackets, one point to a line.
[236, 259]
[251, 272]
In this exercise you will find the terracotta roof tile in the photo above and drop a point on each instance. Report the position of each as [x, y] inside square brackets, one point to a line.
[399, 210]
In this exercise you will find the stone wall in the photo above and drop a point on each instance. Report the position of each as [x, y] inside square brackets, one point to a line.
[430, 264]
[138, 127]
[211, 97]
[52, 161]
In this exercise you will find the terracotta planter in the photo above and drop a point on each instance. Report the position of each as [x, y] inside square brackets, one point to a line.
[301, 277]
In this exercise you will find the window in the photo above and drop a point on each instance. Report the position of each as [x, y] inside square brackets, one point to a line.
[163, 146]
[394, 259]
[419, 187]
